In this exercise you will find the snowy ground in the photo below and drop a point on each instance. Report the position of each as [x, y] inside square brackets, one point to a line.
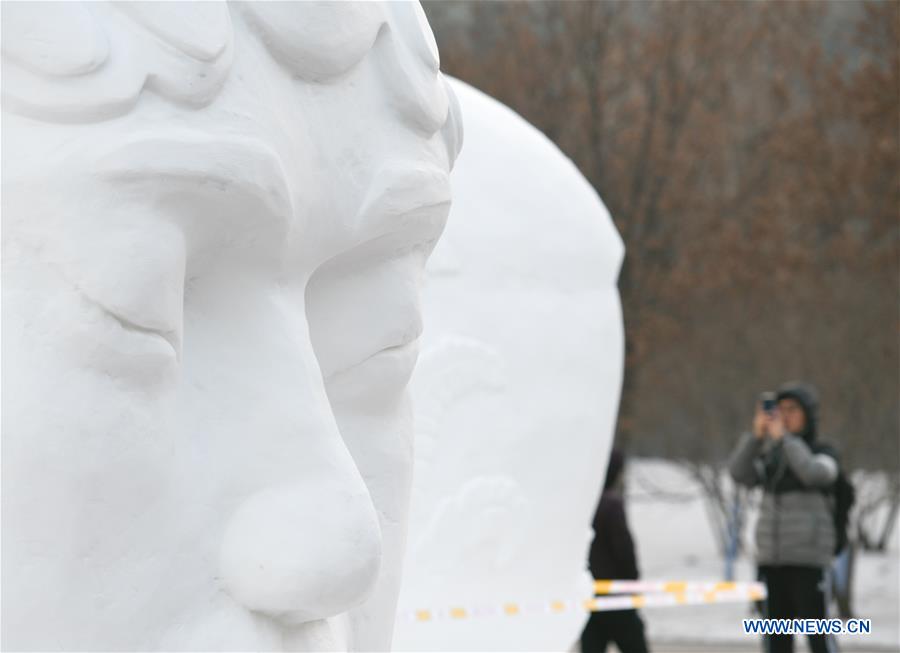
[675, 542]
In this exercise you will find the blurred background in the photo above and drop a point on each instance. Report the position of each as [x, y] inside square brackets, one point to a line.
[749, 153]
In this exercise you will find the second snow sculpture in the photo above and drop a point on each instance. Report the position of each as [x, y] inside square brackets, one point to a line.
[516, 395]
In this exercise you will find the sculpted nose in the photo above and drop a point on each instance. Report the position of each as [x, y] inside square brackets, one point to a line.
[304, 551]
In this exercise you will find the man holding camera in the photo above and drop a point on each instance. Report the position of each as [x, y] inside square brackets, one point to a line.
[795, 533]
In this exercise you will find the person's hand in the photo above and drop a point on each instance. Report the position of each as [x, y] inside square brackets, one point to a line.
[776, 426]
[760, 422]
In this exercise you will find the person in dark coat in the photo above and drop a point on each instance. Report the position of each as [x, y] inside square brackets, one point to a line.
[612, 557]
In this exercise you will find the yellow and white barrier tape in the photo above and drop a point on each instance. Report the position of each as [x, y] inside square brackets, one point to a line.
[614, 596]
[604, 587]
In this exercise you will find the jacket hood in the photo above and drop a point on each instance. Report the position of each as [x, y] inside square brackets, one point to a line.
[807, 396]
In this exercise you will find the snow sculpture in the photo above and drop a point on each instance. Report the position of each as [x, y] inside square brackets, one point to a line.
[516, 395]
[215, 218]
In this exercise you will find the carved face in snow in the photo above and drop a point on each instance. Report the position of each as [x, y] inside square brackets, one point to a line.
[516, 396]
[215, 221]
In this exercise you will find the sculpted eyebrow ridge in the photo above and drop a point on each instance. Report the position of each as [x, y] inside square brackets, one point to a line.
[222, 163]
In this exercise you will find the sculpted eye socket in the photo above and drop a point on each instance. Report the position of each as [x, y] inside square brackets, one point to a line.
[364, 302]
[161, 201]
[217, 185]
[404, 199]
[228, 195]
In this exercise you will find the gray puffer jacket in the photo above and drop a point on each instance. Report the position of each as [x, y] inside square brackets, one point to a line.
[796, 521]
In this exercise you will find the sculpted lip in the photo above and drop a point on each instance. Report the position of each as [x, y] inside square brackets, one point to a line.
[404, 348]
[408, 349]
